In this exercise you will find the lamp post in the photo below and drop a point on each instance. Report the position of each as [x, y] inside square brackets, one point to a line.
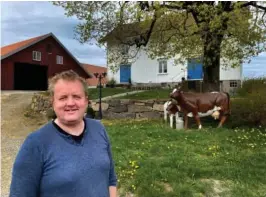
[100, 76]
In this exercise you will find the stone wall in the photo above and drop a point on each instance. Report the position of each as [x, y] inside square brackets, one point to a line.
[126, 108]
[111, 109]
[40, 103]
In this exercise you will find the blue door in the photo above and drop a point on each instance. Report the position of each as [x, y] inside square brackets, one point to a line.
[125, 73]
[194, 69]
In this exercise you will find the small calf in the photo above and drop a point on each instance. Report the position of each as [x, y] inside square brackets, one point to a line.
[172, 109]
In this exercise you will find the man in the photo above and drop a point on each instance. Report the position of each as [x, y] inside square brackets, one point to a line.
[69, 156]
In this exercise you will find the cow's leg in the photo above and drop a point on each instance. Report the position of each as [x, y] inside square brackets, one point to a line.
[223, 119]
[197, 118]
[165, 115]
[171, 120]
[176, 117]
[185, 120]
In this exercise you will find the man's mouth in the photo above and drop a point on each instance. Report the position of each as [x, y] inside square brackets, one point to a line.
[71, 110]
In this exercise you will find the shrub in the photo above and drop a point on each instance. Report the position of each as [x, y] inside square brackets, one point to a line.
[250, 108]
[256, 86]
[111, 83]
[90, 112]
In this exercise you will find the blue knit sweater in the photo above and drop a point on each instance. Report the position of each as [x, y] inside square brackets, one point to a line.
[51, 164]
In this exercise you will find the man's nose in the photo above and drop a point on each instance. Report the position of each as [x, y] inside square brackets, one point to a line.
[70, 101]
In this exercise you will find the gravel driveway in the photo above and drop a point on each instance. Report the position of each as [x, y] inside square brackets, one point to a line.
[14, 128]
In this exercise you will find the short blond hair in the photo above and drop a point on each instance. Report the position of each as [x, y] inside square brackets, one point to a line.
[68, 75]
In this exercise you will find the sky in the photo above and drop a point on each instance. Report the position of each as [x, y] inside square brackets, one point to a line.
[24, 20]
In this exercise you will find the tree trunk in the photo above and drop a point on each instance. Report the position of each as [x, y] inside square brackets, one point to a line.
[211, 63]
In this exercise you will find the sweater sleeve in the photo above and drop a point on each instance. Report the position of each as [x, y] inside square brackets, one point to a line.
[112, 174]
[27, 170]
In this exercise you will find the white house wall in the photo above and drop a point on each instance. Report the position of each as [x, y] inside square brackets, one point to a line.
[146, 70]
[110, 74]
[115, 76]
[229, 73]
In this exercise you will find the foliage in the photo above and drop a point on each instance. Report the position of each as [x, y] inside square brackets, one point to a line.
[234, 31]
[248, 111]
[151, 159]
[253, 86]
[250, 108]
[111, 83]
[90, 112]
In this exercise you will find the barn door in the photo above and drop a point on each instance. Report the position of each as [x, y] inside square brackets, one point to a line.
[125, 73]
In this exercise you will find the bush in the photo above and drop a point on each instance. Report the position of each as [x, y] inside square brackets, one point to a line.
[249, 111]
[111, 83]
[98, 86]
[254, 86]
[90, 112]
[250, 108]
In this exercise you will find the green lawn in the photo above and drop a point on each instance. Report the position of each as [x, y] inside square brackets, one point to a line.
[154, 94]
[154, 160]
[94, 92]
[150, 94]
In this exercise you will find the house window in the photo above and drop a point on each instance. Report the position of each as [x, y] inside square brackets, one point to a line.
[233, 84]
[162, 66]
[36, 55]
[59, 59]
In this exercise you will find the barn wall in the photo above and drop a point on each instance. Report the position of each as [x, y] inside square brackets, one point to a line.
[25, 56]
[7, 70]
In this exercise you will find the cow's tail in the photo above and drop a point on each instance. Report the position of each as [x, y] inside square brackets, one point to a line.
[228, 104]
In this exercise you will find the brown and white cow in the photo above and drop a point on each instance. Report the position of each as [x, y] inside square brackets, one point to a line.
[216, 104]
[171, 108]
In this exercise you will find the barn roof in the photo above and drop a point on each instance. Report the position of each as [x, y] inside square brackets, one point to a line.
[93, 69]
[11, 49]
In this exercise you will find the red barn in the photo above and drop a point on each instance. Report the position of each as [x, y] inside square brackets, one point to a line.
[93, 81]
[27, 65]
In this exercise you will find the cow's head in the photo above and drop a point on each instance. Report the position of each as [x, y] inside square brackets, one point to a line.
[175, 94]
[172, 107]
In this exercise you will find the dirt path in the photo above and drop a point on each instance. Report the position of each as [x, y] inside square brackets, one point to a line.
[15, 126]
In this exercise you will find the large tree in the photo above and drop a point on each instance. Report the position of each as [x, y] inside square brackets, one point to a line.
[233, 31]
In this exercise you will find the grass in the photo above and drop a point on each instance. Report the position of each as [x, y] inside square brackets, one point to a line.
[94, 92]
[154, 94]
[154, 160]
[149, 94]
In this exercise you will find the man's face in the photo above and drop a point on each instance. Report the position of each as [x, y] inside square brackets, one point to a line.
[69, 101]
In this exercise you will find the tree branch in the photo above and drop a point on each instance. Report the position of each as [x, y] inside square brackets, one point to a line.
[254, 4]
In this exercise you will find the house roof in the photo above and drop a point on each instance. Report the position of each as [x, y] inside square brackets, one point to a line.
[93, 69]
[11, 49]
[164, 24]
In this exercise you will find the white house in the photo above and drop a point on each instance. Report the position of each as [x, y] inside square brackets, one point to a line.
[145, 70]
